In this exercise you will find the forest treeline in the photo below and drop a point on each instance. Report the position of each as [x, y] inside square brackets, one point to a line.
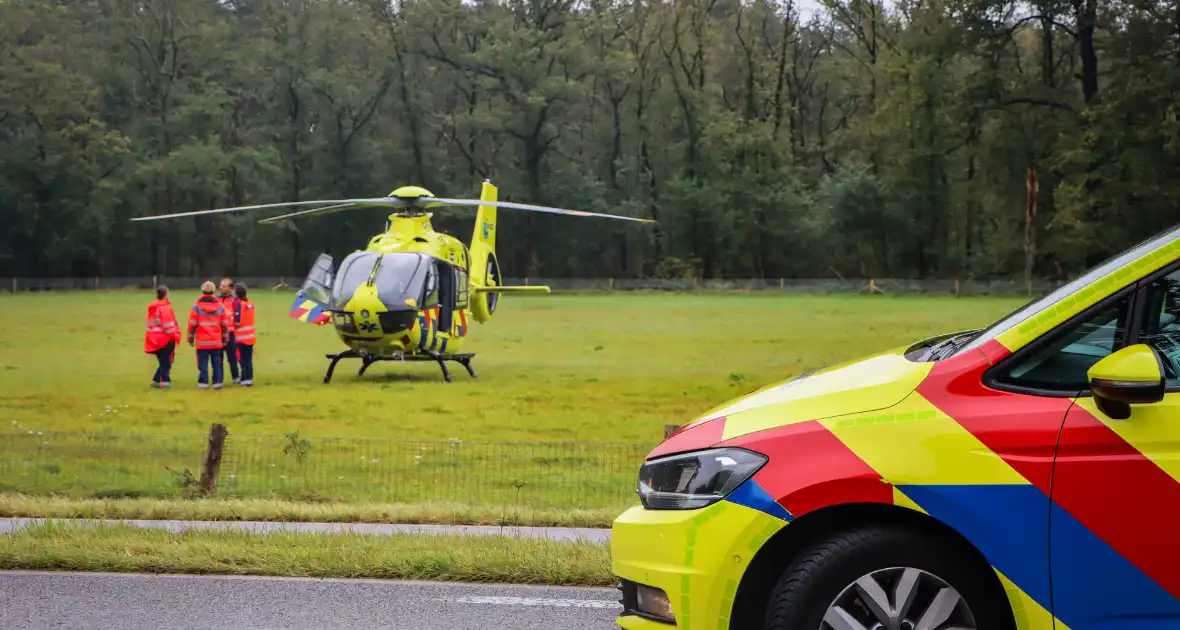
[867, 139]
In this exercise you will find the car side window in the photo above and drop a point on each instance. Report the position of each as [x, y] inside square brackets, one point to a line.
[1062, 363]
[1161, 323]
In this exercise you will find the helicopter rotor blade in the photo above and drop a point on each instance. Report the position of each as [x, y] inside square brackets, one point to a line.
[438, 201]
[351, 205]
[264, 206]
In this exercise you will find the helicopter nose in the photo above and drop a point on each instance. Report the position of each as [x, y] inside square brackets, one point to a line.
[397, 321]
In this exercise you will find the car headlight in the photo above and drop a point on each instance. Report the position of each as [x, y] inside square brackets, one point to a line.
[694, 480]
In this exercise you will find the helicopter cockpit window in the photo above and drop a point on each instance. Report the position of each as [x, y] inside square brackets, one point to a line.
[354, 271]
[399, 278]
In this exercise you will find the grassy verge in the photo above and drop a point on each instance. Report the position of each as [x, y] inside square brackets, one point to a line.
[272, 510]
[56, 546]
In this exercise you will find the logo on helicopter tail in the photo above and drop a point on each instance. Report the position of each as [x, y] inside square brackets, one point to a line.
[487, 228]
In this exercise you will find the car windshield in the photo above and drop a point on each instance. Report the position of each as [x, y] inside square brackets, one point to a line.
[397, 277]
[1040, 304]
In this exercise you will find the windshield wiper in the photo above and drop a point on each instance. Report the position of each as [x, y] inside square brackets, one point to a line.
[955, 344]
[948, 346]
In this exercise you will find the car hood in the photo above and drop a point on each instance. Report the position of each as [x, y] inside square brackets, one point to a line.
[875, 382]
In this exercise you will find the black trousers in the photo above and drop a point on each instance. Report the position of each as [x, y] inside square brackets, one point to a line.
[231, 357]
[164, 356]
[246, 358]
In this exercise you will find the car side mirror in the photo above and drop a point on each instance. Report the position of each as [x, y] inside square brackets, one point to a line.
[1133, 375]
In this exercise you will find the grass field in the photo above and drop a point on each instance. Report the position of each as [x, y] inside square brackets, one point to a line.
[557, 368]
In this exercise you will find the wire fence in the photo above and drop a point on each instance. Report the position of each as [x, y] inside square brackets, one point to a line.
[786, 285]
[533, 475]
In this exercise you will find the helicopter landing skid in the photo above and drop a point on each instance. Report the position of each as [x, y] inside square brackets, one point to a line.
[429, 355]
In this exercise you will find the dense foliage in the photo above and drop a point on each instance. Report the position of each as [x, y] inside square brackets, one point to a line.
[863, 139]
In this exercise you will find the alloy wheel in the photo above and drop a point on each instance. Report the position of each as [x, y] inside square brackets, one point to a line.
[899, 598]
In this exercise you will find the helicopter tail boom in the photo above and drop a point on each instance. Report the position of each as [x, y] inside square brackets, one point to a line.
[483, 238]
[485, 269]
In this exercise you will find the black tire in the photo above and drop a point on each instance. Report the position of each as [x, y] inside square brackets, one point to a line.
[819, 574]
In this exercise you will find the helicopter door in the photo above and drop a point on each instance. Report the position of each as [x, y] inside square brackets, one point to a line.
[316, 293]
[446, 295]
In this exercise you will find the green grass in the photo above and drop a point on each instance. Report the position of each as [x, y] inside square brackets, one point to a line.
[557, 368]
[588, 368]
[15, 505]
[499, 559]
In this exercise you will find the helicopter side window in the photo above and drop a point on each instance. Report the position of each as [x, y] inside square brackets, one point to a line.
[318, 284]
[461, 292]
[431, 287]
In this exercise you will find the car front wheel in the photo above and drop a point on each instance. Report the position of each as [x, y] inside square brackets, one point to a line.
[885, 578]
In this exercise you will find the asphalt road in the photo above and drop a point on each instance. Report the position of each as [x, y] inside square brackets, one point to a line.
[130, 601]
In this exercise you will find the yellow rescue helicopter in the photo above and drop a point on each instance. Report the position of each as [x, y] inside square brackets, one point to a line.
[412, 293]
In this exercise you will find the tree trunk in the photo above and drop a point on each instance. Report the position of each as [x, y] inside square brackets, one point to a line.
[780, 83]
[616, 147]
[1087, 16]
[1030, 216]
[413, 119]
[534, 152]
[1047, 57]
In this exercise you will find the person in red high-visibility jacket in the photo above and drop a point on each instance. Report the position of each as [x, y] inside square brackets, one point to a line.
[244, 333]
[161, 337]
[209, 325]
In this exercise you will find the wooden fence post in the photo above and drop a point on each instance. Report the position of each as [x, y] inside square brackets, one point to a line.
[611, 284]
[211, 467]
[669, 429]
[14, 284]
[96, 283]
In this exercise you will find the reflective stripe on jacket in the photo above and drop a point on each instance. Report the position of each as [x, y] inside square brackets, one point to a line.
[244, 322]
[162, 327]
[209, 324]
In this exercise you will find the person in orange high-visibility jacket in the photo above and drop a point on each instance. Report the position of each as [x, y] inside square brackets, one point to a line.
[209, 325]
[244, 333]
[229, 352]
[161, 337]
